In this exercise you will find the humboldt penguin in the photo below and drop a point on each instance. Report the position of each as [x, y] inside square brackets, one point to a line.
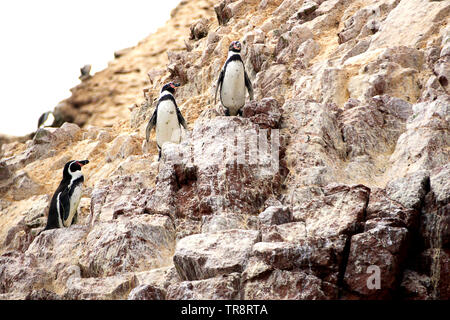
[167, 118]
[65, 200]
[233, 80]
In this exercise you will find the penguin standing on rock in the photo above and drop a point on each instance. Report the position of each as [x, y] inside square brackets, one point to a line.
[65, 200]
[233, 80]
[167, 118]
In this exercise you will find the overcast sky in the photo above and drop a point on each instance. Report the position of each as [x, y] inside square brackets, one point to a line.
[44, 43]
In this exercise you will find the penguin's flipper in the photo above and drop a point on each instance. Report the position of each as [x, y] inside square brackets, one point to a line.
[248, 84]
[181, 118]
[219, 83]
[64, 205]
[151, 124]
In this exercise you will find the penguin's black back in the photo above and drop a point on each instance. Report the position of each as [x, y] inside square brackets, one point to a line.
[52, 220]
[42, 118]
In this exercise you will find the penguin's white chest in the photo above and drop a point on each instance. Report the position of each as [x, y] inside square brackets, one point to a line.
[74, 202]
[167, 125]
[232, 93]
[49, 121]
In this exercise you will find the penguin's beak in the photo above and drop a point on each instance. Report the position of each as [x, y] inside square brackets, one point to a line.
[83, 162]
[173, 85]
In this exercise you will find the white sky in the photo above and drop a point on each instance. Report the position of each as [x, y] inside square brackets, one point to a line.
[43, 45]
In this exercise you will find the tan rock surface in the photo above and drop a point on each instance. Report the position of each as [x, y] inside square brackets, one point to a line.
[356, 92]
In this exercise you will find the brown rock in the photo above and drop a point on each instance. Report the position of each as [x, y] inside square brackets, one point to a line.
[122, 147]
[290, 41]
[223, 12]
[415, 286]
[321, 257]
[380, 249]
[199, 29]
[314, 147]
[420, 147]
[382, 207]
[58, 251]
[374, 128]
[121, 196]
[440, 184]
[277, 255]
[269, 82]
[109, 288]
[434, 226]
[217, 171]
[368, 107]
[307, 8]
[360, 47]
[42, 294]
[306, 52]
[159, 278]
[5, 173]
[265, 113]
[225, 287]
[275, 215]
[291, 285]
[410, 23]
[20, 235]
[135, 244]
[205, 256]
[21, 186]
[21, 274]
[220, 222]
[353, 25]
[339, 209]
[410, 190]
[287, 232]
[146, 292]
[442, 71]
[432, 267]
[43, 136]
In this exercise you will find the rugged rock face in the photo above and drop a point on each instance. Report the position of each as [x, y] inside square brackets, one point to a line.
[333, 185]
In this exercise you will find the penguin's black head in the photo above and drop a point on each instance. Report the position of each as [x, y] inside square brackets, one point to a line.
[73, 168]
[235, 46]
[170, 87]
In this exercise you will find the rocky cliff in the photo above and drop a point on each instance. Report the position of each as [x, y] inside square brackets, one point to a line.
[333, 185]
